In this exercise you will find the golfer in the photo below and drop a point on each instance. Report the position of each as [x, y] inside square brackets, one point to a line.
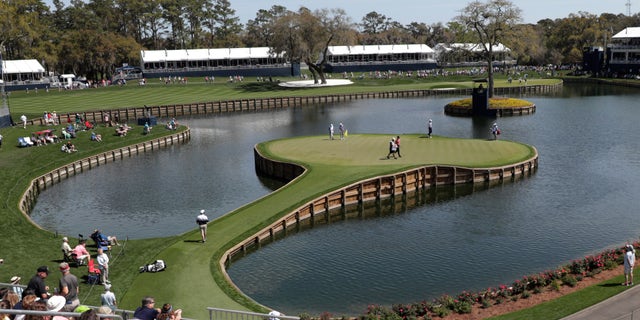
[202, 221]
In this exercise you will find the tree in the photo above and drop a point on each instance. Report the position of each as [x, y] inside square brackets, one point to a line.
[489, 21]
[305, 36]
[259, 31]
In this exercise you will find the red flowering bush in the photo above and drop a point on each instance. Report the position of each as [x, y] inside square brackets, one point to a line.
[568, 275]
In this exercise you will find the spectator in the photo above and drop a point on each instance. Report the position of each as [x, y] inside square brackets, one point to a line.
[55, 304]
[12, 297]
[82, 255]
[66, 248]
[38, 285]
[4, 304]
[167, 313]
[108, 298]
[15, 280]
[69, 288]
[25, 304]
[105, 310]
[38, 305]
[103, 265]
[147, 310]
[89, 315]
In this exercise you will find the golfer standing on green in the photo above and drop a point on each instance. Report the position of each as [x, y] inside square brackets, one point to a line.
[202, 221]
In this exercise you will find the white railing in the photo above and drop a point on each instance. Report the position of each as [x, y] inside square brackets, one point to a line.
[225, 314]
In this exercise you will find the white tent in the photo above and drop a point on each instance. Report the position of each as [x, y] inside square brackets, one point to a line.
[22, 66]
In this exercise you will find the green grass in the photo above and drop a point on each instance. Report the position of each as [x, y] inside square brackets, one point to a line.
[194, 279]
[34, 104]
[570, 303]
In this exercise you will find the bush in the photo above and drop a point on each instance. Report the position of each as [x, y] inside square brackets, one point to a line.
[377, 312]
[556, 284]
[462, 307]
[486, 304]
[441, 311]
[569, 280]
[525, 294]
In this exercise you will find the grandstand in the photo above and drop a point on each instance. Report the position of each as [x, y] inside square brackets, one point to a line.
[470, 54]
[23, 75]
[256, 61]
[392, 57]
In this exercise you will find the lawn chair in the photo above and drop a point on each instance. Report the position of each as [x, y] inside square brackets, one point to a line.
[101, 241]
[94, 273]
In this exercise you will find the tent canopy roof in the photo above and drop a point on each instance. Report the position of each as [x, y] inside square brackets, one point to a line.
[205, 54]
[22, 66]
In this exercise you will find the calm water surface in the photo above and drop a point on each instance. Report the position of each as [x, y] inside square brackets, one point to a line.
[582, 199]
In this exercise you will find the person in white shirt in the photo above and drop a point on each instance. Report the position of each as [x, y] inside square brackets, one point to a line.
[629, 261]
[103, 265]
[202, 220]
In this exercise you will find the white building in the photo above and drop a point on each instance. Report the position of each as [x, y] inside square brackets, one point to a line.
[471, 54]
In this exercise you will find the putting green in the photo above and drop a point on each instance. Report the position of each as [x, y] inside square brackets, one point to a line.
[194, 280]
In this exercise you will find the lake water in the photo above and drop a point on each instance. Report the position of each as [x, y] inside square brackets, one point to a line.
[582, 200]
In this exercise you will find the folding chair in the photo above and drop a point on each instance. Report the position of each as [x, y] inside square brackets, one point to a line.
[94, 273]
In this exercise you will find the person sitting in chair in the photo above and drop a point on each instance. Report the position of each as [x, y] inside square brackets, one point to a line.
[66, 249]
[98, 237]
[81, 253]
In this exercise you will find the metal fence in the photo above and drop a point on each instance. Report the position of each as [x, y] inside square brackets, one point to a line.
[225, 314]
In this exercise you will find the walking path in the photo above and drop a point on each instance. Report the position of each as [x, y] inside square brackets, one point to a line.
[623, 306]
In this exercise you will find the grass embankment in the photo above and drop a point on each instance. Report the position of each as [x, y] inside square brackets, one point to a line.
[330, 164]
[24, 247]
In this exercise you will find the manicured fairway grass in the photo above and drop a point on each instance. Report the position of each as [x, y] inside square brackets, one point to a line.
[193, 279]
[331, 164]
[34, 104]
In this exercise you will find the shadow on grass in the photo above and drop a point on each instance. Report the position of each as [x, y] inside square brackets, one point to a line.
[262, 87]
[197, 241]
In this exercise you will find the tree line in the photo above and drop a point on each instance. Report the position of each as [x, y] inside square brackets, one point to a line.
[93, 37]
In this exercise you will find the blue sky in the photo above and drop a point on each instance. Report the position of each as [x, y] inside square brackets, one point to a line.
[432, 11]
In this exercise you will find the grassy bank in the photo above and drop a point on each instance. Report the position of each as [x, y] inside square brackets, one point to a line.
[24, 246]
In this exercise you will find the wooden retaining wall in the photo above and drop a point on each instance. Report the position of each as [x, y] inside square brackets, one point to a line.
[374, 189]
[30, 196]
[217, 107]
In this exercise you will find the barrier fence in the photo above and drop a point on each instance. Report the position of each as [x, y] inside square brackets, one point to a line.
[226, 106]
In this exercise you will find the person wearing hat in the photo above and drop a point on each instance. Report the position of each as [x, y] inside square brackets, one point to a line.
[108, 298]
[15, 281]
[37, 283]
[55, 304]
[69, 287]
[392, 148]
[202, 221]
[105, 310]
[629, 262]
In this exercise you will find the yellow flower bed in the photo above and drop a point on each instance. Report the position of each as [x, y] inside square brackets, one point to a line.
[494, 103]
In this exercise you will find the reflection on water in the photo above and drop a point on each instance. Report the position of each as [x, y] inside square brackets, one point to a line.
[581, 200]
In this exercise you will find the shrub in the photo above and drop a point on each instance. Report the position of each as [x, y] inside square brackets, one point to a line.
[325, 316]
[462, 307]
[304, 316]
[556, 284]
[377, 312]
[486, 304]
[441, 311]
[404, 311]
[525, 294]
[422, 308]
[569, 280]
